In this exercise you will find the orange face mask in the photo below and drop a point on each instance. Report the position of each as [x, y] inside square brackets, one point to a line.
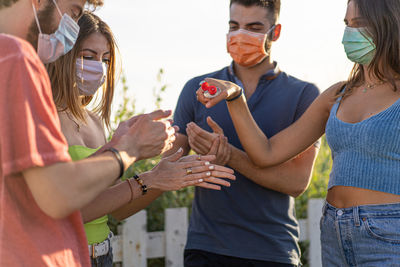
[247, 48]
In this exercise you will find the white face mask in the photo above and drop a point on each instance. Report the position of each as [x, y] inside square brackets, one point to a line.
[52, 46]
[90, 75]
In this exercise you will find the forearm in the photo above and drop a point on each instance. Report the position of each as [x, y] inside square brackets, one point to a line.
[140, 201]
[291, 178]
[137, 205]
[251, 137]
[110, 200]
[62, 188]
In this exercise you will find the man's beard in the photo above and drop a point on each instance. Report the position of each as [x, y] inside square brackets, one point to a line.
[46, 22]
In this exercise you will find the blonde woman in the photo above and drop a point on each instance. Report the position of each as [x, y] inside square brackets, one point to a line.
[75, 79]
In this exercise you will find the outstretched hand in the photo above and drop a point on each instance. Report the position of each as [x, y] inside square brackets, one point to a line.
[176, 172]
[228, 89]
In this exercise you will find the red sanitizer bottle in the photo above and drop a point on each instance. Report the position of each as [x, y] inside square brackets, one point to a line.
[210, 91]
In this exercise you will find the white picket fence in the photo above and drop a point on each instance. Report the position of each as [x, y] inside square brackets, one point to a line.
[134, 245]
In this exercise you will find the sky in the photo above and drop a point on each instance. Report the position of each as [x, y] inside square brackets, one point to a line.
[187, 38]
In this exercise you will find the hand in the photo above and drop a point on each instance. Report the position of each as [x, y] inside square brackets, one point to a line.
[145, 136]
[229, 90]
[205, 143]
[200, 141]
[174, 173]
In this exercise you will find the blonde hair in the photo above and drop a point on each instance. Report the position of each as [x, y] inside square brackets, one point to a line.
[63, 79]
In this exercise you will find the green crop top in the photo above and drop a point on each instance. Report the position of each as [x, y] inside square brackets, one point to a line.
[97, 230]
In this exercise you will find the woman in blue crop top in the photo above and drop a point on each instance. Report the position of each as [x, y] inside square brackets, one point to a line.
[75, 78]
[361, 118]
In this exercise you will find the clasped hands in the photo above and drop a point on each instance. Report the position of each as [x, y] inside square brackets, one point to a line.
[206, 143]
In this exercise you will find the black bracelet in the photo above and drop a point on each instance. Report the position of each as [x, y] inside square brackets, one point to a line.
[119, 158]
[236, 97]
[141, 183]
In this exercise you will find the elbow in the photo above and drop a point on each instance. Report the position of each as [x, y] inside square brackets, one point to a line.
[57, 214]
[297, 192]
[301, 187]
[260, 162]
[57, 209]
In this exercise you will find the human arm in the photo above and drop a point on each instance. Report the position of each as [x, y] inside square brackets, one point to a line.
[170, 174]
[62, 188]
[291, 177]
[287, 143]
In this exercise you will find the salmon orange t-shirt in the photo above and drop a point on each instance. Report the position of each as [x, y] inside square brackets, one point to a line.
[30, 136]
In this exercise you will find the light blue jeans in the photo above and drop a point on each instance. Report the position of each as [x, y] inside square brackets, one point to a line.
[363, 236]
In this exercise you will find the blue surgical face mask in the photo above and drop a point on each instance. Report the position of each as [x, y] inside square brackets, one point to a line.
[359, 47]
[52, 46]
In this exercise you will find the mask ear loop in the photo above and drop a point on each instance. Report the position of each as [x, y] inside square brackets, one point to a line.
[58, 9]
[271, 30]
[81, 67]
[36, 18]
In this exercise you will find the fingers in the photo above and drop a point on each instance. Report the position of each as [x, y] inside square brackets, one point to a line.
[216, 170]
[214, 147]
[190, 158]
[214, 126]
[218, 181]
[198, 131]
[207, 186]
[176, 156]
[193, 163]
[208, 174]
[132, 120]
[218, 83]
[201, 98]
[196, 147]
[160, 114]
[197, 143]
[213, 101]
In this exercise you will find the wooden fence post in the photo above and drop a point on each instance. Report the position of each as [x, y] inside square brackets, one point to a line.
[134, 232]
[314, 213]
[176, 226]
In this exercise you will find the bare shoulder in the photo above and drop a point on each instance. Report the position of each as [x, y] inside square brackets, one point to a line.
[335, 89]
[329, 96]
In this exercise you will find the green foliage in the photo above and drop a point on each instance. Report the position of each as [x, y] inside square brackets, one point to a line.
[316, 189]
[184, 197]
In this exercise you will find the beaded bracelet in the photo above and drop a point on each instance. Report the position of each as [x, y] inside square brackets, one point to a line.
[119, 158]
[141, 183]
[236, 97]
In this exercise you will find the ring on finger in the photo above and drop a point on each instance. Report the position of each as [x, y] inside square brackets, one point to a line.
[199, 157]
[189, 171]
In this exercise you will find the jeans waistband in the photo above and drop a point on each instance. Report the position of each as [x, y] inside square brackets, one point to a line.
[363, 210]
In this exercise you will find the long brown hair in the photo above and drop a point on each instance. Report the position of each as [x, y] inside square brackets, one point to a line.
[383, 26]
[63, 79]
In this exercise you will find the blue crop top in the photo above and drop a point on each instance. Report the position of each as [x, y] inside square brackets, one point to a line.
[366, 154]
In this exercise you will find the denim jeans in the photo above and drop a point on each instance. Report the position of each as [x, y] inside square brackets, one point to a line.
[103, 261]
[361, 236]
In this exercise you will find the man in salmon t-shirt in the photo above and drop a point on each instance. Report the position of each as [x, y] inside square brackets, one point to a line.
[40, 188]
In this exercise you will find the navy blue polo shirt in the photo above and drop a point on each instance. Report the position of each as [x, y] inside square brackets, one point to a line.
[247, 220]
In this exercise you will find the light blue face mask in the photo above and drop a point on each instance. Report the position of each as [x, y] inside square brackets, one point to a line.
[359, 47]
[52, 46]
